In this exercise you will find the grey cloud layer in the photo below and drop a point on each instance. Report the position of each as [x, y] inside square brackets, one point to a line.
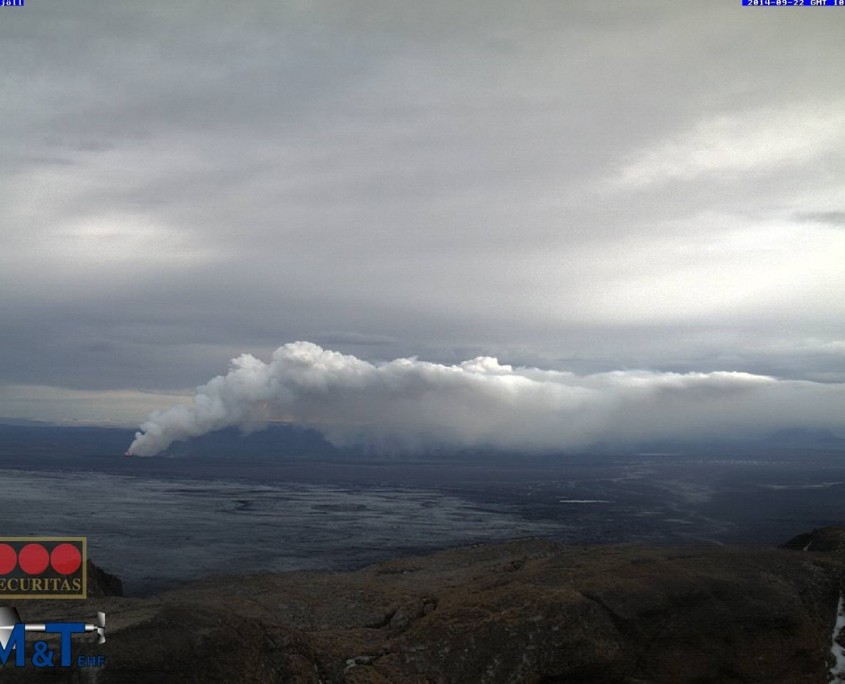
[410, 405]
[570, 185]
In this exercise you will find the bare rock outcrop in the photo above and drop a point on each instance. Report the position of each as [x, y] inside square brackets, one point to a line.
[523, 611]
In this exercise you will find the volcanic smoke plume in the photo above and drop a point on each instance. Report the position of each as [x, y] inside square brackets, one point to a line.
[408, 405]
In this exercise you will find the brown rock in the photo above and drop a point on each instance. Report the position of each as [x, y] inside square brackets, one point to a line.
[523, 611]
[102, 583]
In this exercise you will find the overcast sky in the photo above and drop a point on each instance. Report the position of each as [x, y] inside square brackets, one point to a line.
[587, 187]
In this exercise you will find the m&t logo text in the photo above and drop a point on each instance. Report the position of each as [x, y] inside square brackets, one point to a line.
[13, 640]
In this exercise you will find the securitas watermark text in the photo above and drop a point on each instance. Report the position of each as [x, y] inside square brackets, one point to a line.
[43, 567]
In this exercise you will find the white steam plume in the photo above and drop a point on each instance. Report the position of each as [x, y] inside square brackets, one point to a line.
[409, 405]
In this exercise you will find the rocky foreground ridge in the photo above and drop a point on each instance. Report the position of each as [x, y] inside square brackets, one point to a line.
[522, 611]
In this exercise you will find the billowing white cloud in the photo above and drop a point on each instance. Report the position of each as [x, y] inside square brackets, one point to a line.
[409, 405]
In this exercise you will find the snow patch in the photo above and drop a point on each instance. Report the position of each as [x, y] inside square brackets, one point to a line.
[836, 648]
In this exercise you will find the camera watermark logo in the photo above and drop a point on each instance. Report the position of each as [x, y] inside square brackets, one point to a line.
[43, 568]
[13, 645]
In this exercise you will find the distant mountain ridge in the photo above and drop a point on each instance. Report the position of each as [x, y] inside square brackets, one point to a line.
[292, 441]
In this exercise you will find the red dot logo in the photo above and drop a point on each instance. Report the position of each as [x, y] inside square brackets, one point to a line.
[8, 559]
[65, 559]
[33, 559]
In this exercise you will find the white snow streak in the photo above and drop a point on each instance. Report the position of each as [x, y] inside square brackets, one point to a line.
[836, 648]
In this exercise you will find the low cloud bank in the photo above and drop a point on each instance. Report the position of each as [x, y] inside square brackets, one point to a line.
[408, 405]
